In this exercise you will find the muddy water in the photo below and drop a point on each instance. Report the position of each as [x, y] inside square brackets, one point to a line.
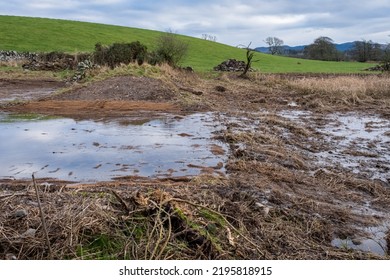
[376, 243]
[357, 143]
[93, 151]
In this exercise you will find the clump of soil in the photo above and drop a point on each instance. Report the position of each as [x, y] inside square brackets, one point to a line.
[123, 88]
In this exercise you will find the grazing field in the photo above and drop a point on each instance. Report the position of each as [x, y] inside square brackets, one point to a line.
[39, 34]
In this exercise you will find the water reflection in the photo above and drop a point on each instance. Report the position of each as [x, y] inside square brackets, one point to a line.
[90, 151]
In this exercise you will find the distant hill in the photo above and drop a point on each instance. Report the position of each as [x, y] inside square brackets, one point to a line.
[340, 47]
[40, 34]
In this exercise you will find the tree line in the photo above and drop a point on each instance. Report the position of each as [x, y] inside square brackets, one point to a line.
[323, 48]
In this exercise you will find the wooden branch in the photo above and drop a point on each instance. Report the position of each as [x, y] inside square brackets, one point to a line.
[42, 218]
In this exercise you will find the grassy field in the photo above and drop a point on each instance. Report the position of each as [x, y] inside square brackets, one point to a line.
[38, 34]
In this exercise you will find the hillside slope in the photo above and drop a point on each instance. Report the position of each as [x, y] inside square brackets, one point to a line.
[40, 34]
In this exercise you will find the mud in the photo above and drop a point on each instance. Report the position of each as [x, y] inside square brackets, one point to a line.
[306, 173]
[18, 90]
[124, 88]
[88, 109]
[354, 142]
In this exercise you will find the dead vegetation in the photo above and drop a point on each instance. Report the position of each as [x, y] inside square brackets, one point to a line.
[127, 222]
[168, 221]
[343, 91]
[273, 156]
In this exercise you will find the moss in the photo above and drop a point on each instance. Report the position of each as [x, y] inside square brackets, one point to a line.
[11, 118]
[100, 247]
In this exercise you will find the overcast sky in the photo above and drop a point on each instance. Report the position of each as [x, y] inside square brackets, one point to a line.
[233, 22]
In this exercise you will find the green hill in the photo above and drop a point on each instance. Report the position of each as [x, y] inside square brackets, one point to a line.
[40, 34]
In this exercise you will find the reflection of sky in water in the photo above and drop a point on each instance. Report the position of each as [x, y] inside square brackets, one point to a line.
[87, 150]
[359, 143]
[365, 135]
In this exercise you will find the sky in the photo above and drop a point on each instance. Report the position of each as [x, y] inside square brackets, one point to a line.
[232, 22]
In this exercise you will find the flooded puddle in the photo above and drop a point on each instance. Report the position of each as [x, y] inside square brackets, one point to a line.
[65, 149]
[362, 145]
[359, 144]
[354, 142]
[375, 243]
[16, 96]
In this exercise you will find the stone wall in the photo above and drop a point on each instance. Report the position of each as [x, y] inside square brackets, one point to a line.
[6, 56]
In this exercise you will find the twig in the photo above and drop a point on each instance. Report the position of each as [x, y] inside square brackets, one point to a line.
[42, 218]
[169, 230]
[219, 214]
[121, 201]
[12, 195]
[158, 220]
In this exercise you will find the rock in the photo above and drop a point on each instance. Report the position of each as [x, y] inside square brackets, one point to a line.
[82, 68]
[46, 66]
[10, 257]
[380, 67]
[259, 205]
[220, 88]
[263, 208]
[7, 56]
[231, 65]
[19, 214]
[187, 69]
[30, 233]
[259, 101]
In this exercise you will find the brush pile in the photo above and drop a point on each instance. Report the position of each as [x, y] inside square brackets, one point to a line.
[231, 65]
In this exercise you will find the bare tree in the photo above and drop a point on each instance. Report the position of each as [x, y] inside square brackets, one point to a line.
[275, 45]
[249, 60]
[209, 37]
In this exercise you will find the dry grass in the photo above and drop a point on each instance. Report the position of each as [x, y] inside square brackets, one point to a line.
[227, 91]
[130, 222]
[12, 64]
[343, 90]
[170, 221]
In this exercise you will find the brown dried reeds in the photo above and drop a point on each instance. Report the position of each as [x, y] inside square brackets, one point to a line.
[128, 223]
[349, 91]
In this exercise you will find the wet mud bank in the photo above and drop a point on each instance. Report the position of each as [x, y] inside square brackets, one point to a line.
[330, 170]
[18, 90]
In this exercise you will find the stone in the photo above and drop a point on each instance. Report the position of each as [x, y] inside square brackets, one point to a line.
[10, 257]
[30, 233]
[7, 56]
[231, 65]
[220, 88]
[19, 214]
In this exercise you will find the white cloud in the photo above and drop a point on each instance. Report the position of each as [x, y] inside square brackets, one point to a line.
[233, 22]
[52, 5]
